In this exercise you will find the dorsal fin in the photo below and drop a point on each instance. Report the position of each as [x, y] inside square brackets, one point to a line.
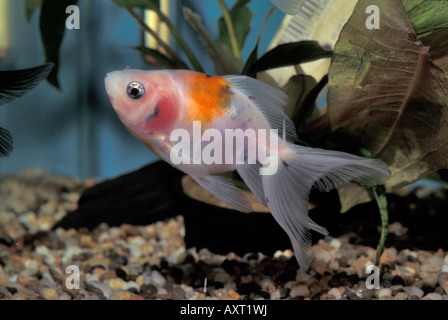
[268, 100]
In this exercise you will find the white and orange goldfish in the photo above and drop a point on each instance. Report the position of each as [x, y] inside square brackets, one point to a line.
[156, 105]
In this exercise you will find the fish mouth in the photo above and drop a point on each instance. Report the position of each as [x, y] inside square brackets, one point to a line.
[110, 82]
[112, 85]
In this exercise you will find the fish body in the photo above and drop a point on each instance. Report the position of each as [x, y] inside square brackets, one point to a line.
[14, 84]
[160, 107]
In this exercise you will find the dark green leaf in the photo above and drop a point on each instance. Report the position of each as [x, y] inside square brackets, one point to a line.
[241, 17]
[254, 54]
[145, 4]
[161, 58]
[224, 63]
[289, 54]
[409, 4]
[250, 60]
[30, 7]
[52, 27]
[306, 103]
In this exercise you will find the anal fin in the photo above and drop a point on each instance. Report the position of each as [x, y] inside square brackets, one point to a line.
[223, 189]
[251, 176]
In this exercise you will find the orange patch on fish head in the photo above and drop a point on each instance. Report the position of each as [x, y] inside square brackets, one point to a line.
[209, 96]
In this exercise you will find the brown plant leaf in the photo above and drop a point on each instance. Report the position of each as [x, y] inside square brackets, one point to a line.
[385, 91]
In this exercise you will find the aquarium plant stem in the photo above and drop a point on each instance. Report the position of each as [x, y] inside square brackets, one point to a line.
[190, 55]
[145, 27]
[230, 29]
[381, 200]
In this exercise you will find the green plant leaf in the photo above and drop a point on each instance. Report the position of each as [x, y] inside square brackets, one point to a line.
[385, 92]
[289, 54]
[241, 17]
[306, 109]
[253, 57]
[161, 58]
[31, 6]
[410, 4]
[429, 16]
[297, 88]
[224, 63]
[144, 4]
[52, 27]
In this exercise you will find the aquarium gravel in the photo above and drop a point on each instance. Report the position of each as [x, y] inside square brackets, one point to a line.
[152, 262]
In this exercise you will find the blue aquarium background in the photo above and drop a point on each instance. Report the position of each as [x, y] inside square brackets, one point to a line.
[74, 131]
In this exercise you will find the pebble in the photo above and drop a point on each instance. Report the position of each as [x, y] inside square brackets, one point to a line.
[432, 296]
[398, 229]
[430, 273]
[401, 296]
[336, 293]
[117, 284]
[49, 293]
[157, 279]
[178, 293]
[233, 295]
[389, 256]
[384, 292]
[414, 291]
[276, 294]
[336, 243]
[222, 277]
[122, 295]
[327, 296]
[300, 291]
[443, 281]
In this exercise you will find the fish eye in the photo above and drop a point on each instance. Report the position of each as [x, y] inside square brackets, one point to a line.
[135, 90]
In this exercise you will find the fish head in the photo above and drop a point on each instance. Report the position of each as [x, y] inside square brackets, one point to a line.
[145, 101]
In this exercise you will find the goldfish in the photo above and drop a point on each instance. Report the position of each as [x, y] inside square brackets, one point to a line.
[290, 7]
[159, 107]
[14, 84]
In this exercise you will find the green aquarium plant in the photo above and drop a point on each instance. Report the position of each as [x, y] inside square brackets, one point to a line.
[387, 88]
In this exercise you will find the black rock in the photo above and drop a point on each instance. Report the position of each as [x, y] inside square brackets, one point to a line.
[121, 273]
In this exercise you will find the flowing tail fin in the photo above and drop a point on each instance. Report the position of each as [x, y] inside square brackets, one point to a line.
[298, 170]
